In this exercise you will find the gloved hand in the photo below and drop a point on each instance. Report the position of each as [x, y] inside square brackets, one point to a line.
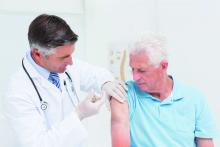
[89, 106]
[115, 89]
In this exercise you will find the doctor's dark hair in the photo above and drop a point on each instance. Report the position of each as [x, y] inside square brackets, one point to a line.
[47, 32]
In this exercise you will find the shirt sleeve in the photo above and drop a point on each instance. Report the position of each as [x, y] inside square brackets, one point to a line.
[131, 98]
[205, 126]
[92, 77]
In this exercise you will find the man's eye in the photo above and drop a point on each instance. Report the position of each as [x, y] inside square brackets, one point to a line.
[142, 71]
[131, 69]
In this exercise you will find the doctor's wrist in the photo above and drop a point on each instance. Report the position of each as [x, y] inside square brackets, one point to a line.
[104, 84]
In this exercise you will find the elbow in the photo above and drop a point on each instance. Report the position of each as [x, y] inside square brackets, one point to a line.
[120, 128]
[120, 134]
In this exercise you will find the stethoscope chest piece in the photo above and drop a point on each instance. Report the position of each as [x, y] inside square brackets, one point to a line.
[44, 105]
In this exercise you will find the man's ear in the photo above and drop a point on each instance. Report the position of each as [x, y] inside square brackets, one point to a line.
[36, 55]
[164, 64]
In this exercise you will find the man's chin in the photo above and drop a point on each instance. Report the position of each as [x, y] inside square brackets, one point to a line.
[141, 86]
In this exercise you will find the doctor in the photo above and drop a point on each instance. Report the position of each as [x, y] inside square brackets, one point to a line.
[42, 102]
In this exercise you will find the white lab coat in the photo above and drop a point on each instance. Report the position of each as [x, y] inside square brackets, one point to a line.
[58, 126]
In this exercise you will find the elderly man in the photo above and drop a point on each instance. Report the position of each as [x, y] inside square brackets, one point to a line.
[160, 111]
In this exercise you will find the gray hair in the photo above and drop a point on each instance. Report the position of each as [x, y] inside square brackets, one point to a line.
[153, 45]
[45, 51]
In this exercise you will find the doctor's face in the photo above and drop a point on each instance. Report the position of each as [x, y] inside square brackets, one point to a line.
[60, 59]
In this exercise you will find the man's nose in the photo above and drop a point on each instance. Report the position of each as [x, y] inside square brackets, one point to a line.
[136, 76]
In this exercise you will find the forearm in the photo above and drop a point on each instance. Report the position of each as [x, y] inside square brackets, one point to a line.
[120, 135]
[120, 124]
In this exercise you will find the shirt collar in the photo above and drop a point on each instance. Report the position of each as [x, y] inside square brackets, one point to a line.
[42, 71]
[174, 96]
[177, 91]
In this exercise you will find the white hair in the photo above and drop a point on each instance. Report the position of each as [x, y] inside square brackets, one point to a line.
[45, 51]
[153, 45]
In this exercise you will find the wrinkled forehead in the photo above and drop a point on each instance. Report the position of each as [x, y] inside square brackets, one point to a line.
[139, 60]
[140, 56]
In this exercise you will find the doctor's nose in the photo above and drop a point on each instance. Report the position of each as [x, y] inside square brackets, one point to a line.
[69, 61]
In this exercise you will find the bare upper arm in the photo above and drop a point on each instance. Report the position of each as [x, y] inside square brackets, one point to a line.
[204, 142]
[119, 111]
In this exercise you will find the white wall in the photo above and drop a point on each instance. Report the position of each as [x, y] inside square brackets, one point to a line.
[192, 30]
[191, 27]
[115, 20]
[39, 6]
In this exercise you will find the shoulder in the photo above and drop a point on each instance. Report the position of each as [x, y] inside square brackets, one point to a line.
[132, 91]
[131, 85]
[18, 86]
[18, 79]
[189, 92]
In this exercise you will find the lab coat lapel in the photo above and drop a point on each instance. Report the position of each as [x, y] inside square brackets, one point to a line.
[49, 93]
[36, 76]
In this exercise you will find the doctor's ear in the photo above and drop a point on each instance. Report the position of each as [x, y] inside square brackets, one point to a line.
[35, 53]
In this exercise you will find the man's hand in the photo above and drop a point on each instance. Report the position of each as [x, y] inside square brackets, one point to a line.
[115, 89]
[90, 106]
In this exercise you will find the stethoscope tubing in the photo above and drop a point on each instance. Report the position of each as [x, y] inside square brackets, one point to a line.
[44, 104]
[31, 80]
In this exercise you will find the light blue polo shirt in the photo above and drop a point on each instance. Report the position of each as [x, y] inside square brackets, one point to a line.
[174, 122]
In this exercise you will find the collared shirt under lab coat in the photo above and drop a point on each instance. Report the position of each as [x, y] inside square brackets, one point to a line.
[59, 125]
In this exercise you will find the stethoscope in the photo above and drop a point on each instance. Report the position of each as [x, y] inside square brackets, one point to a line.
[44, 104]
